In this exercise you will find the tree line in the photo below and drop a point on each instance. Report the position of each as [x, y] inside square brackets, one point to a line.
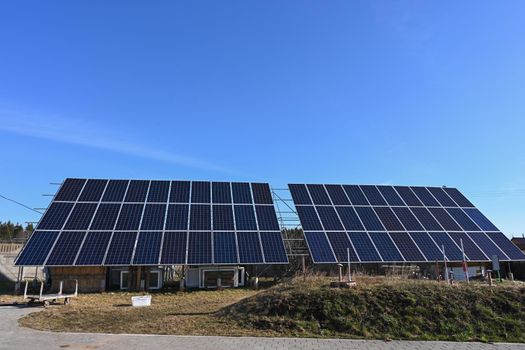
[9, 230]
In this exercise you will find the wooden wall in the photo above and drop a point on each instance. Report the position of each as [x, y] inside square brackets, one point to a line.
[90, 279]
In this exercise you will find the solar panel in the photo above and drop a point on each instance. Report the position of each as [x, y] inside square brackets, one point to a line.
[221, 192]
[273, 247]
[224, 248]
[81, 216]
[70, 190]
[148, 248]
[249, 248]
[319, 247]
[153, 218]
[55, 216]
[223, 218]
[395, 224]
[364, 246]
[121, 248]
[115, 191]
[158, 191]
[37, 248]
[342, 246]
[94, 248]
[66, 248]
[174, 248]
[143, 222]
[385, 246]
[93, 191]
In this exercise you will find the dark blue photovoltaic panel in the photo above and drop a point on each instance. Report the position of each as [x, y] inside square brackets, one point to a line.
[506, 245]
[224, 248]
[66, 248]
[158, 191]
[471, 249]
[364, 246]
[115, 191]
[425, 196]
[177, 218]
[329, 218]
[70, 190]
[245, 217]
[223, 217]
[94, 248]
[463, 219]
[340, 244]
[299, 194]
[221, 192]
[408, 219]
[355, 195]
[266, 218]
[337, 194]
[148, 248]
[350, 219]
[200, 192]
[451, 249]
[249, 248]
[369, 219]
[137, 191]
[242, 193]
[180, 192]
[386, 246]
[319, 247]
[81, 216]
[273, 247]
[199, 248]
[427, 246]
[487, 245]
[174, 248]
[153, 218]
[481, 220]
[121, 248]
[92, 191]
[390, 195]
[200, 217]
[37, 248]
[406, 246]
[308, 218]
[389, 219]
[55, 216]
[444, 219]
[262, 193]
[373, 195]
[129, 218]
[318, 194]
[442, 197]
[426, 219]
[408, 196]
[458, 197]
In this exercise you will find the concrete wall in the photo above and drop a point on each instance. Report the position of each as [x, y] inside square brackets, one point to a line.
[8, 270]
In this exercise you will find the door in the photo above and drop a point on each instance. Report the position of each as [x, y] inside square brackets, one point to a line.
[124, 278]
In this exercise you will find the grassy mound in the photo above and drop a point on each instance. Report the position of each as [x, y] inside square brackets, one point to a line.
[387, 310]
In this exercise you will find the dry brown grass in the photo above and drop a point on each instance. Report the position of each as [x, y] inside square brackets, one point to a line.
[190, 313]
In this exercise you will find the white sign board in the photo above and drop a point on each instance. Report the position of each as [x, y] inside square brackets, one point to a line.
[143, 300]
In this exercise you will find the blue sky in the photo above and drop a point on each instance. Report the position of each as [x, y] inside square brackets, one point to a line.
[397, 92]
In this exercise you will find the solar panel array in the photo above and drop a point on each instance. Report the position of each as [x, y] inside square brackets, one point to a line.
[395, 224]
[143, 222]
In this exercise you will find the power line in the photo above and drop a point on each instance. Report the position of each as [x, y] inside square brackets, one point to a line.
[21, 204]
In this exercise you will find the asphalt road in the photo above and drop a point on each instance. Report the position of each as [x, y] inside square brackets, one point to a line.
[15, 337]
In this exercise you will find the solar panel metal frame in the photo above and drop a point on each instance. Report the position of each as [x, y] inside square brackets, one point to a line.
[428, 192]
[242, 188]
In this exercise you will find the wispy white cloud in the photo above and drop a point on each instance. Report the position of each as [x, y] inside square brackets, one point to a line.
[89, 134]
